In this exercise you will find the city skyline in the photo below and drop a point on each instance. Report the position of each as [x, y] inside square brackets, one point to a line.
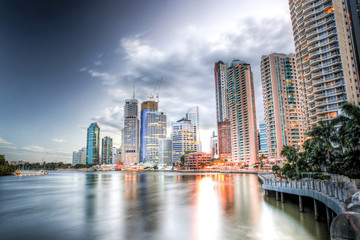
[85, 75]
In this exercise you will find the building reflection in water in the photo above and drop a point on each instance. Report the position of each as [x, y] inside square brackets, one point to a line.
[90, 196]
[207, 222]
[186, 206]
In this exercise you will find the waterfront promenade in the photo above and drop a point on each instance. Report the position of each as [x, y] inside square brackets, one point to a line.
[340, 197]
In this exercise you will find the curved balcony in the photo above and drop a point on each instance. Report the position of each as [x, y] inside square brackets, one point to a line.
[320, 96]
[318, 89]
[326, 27]
[328, 35]
[312, 113]
[307, 74]
[335, 61]
[316, 18]
[322, 66]
[321, 23]
[308, 80]
[334, 55]
[315, 54]
[317, 8]
[308, 6]
[312, 13]
[325, 80]
[307, 3]
[314, 47]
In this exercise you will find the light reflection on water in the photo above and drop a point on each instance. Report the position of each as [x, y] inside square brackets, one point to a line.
[118, 205]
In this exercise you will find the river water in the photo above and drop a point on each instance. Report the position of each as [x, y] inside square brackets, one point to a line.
[151, 205]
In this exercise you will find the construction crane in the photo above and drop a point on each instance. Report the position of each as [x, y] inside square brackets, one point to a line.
[156, 90]
[159, 83]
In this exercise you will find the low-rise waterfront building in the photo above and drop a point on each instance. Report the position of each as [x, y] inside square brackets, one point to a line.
[196, 160]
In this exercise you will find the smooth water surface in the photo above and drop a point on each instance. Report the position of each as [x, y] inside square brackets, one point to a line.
[151, 205]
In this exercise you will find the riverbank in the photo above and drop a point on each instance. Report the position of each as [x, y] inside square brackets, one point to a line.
[219, 171]
[179, 171]
[149, 205]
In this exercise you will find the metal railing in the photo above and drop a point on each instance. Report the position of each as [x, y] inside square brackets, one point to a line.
[334, 189]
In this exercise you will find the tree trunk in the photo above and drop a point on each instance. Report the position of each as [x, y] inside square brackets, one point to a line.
[328, 158]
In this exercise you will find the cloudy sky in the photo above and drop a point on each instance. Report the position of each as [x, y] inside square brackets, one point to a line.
[65, 64]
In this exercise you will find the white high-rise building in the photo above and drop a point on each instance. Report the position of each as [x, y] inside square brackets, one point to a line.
[165, 151]
[155, 130]
[131, 133]
[193, 115]
[184, 138]
[79, 157]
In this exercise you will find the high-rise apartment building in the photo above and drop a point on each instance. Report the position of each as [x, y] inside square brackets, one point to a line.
[222, 110]
[241, 98]
[130, 133]
[224, 140]
[165, 151]
[184, 138]
[93, 144]
[222, 106]
[263, 149]
[148, 106]
[106, 150]
[79, 157]
[282, 105]
[155, 130]
[325, 58]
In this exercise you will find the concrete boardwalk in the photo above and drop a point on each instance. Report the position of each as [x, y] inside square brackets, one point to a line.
[331, 194]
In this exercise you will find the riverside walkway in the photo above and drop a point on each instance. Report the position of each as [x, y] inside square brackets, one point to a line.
[331, 193]
[341, 198]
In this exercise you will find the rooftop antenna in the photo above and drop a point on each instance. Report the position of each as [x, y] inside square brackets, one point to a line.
[134, 93]
[158, 89]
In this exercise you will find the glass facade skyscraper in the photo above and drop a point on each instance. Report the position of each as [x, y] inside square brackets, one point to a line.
[148, 106]
[93, 144]
[106, 150]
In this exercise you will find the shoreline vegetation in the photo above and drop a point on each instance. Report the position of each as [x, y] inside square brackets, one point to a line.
[331, 147]
[5, 167]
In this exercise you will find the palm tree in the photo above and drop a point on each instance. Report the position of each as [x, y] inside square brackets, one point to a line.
[322, 138]
[261, 160]
[349, 130]
[292, 155]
